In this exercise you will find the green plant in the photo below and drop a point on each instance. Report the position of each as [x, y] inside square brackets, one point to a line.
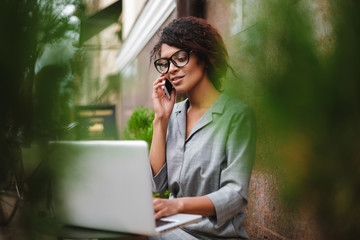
[139, 125]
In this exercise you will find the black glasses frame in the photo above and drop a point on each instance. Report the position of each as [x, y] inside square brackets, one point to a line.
[171, 60]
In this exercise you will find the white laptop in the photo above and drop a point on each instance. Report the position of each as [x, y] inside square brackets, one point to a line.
[106, 185]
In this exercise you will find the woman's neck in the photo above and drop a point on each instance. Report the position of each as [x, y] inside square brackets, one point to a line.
[203, 96]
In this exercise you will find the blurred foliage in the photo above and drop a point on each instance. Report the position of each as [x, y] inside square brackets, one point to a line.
[301, 75]
[52, 102]
[140, 125]
[53, 81]
[165, 194]
[27, 27]
[16, 44]
[34, 103]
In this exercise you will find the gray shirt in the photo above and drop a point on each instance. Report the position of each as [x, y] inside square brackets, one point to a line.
[215, 160]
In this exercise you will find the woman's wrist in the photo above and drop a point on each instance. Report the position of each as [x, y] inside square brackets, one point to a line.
[180, 205]
[195, 205]
[160, 120]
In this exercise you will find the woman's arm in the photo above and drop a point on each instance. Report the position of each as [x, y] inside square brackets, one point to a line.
[232, 197]
[163, 108]
[191, 205]
[157, 150]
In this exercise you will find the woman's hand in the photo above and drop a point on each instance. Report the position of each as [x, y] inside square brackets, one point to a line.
[162, 105]
[192, 205]
[163, 108]
[166, 207]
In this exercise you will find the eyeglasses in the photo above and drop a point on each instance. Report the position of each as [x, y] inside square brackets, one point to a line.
[179, 59]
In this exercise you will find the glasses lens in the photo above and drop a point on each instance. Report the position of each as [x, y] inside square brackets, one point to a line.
[181, 58]
[162, 65]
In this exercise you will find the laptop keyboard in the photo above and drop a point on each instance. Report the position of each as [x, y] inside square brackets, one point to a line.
[160, 222]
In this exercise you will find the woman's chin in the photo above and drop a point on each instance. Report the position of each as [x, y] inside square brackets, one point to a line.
[179, 89]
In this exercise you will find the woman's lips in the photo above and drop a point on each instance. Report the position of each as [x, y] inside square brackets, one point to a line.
[176, 80]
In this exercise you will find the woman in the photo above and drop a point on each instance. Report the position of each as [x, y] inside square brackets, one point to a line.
[203, 147]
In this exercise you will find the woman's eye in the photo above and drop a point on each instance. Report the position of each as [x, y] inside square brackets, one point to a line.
[162, 65]
[181, 59]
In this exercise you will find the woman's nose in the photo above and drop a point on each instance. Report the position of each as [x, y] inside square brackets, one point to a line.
[172, 67]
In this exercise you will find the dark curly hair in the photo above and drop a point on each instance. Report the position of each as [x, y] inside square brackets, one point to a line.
[204, 40]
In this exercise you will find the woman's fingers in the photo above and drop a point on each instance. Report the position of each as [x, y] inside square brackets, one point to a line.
[162, 105]
[156, 204]
[159, 80]
[164, 207]
[158, 83]
[157, 208]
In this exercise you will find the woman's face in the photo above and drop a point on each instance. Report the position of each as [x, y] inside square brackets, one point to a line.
[184, 79]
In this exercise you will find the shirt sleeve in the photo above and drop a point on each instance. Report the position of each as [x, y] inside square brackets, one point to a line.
[159, 181]
[232, 196]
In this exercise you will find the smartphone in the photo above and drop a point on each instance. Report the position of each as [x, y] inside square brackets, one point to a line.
[167, 88]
